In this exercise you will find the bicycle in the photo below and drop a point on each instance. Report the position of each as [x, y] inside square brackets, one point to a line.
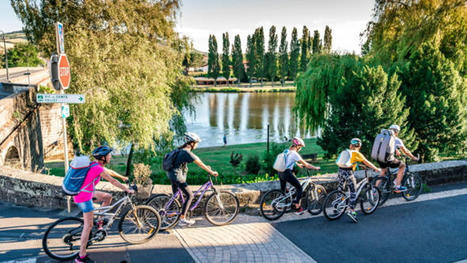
[275, 203]
[337, 201]
[412, 181]
[139, 224]
[220, 208]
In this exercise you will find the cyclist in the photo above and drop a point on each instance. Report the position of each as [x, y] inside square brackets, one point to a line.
[292, 158]
[396, 163]
[84, 199]
[178, 173]
[345, 173]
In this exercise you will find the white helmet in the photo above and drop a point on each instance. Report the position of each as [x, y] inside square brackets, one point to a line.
[395, 127]
[192, 137]
[298, 141]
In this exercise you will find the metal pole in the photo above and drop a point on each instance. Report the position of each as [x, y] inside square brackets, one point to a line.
[268, 140]
[6, 57]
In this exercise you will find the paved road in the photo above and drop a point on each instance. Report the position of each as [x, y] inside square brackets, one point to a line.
[431, 229]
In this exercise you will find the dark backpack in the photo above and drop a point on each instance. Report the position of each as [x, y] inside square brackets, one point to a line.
[169, 160]
[77, 172]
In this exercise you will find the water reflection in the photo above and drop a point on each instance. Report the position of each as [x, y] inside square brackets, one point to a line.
[243, 117]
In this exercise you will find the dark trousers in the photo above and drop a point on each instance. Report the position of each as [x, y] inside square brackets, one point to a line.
[346, 177]
[288, 176]
[186, 191]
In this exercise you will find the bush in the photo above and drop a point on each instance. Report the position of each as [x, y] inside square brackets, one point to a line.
[236, 159]
[142, 173]
[253, 165]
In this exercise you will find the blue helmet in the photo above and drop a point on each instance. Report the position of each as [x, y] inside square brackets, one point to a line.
[101, 151]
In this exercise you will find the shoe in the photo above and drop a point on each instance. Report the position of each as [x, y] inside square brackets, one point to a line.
[300, 211]
[353, 216]
[400, 188]
[187, 221]
[101, 223]
[86, 259]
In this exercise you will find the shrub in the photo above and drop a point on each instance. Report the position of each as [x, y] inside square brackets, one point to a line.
[253, 165]
[236, 159]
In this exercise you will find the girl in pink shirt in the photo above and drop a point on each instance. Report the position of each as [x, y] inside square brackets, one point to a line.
[83, 200]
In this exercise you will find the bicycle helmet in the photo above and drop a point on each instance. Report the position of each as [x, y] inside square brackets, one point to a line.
[395, 127]
[298, 141]
[192, 137]
[101, 151]
[356, 142]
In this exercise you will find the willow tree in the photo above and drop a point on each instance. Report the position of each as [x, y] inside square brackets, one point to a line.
[124, 57]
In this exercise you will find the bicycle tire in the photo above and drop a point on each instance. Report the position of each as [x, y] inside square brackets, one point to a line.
[169, 216]
[227, 198]
[384, 188]
[413, 182]
[142, 214]
[50, 251]
[315, 206]
[268, 208]
[331, 204]
[373, 198]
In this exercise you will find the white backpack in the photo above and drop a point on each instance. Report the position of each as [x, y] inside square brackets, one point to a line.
[343, 161]
[281, 160]
[384, 146]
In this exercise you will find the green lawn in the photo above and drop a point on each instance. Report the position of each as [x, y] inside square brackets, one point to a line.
[219, 159]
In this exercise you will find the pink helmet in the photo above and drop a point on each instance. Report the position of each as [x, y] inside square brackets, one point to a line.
[298, 141]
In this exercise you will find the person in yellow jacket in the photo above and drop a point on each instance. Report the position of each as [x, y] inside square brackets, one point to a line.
[347, 163]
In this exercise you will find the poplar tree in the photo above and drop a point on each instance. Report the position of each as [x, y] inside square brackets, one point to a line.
[304, 44]
[316, 43]
[250, 56]
[237, 60]
[225, 56]
[271, 56]
[260, 69]
[327, 40]
[294, 54]
[213, 60]
[283, 56]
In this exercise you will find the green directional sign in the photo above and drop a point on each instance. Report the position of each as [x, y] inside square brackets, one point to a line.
[60, 98]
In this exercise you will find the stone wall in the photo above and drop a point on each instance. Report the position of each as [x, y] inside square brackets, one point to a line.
[31, 189]
[52, 130]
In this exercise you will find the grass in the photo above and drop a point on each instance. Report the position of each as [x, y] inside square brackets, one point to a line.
[219, 159]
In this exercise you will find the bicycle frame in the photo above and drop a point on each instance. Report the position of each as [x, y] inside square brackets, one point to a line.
[305, 183]
[199, 193]
[103, 210]
[359, 186]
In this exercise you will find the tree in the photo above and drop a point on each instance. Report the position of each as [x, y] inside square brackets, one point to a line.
[213, 60]
[271, 56]
[225, 56]
[316, 43]
[434, 91]
[294, 54]
[125, 102]
[327, 40]
[304, 54]
[237, 60]
[260, 69]
[23, 55]
[251, 57]
[283, 56]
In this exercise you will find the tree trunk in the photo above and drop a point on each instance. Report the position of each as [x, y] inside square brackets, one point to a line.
[129, 160]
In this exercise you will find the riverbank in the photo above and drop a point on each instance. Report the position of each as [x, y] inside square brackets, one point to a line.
[233, 89]
[219, 159]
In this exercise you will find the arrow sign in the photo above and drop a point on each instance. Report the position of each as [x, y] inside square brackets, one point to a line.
[60, 98]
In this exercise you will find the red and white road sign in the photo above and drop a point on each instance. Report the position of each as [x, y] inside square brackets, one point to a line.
[64, 74]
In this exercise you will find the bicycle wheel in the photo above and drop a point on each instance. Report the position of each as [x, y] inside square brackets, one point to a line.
[274, 204]
[335, 205]
[384, 186]
[139, 225]
[61, 241]
[169, 213]
[221, 208]
[413, 182]
[315, 199]
[369, 199]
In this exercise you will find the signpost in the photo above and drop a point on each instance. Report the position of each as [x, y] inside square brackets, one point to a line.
[60, 98]
[64, 74]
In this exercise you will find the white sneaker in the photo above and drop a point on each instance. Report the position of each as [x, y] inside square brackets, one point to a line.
[187, 221]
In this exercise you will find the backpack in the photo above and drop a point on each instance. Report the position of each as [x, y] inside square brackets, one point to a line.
[169, 160]
[77, 172]
[281, 160]
[343, 161]
[384, 146]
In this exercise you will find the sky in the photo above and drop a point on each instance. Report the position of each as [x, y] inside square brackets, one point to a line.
[199, 18]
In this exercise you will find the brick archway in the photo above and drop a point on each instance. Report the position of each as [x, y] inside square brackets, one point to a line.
[12, 158]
